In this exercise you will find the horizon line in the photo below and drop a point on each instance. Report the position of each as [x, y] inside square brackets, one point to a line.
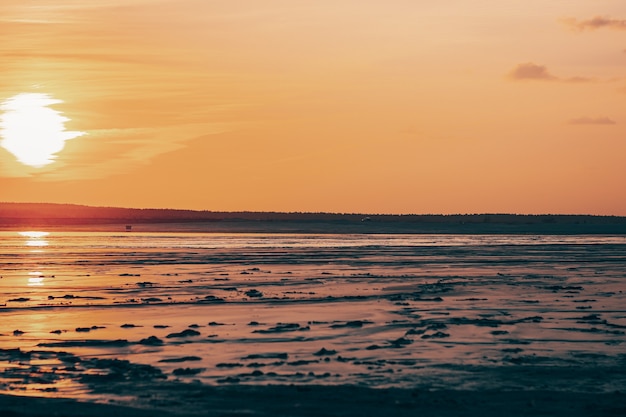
[314, 212]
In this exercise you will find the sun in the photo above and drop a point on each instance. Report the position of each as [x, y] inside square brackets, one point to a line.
[32, 131]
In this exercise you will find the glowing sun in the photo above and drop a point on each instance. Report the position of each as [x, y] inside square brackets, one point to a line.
[32, 131]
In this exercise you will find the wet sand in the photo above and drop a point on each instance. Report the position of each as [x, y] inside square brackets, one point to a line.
[315, 325]
[172, 401]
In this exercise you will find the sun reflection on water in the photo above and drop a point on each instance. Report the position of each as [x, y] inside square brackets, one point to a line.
[35, 279]
[35, 238]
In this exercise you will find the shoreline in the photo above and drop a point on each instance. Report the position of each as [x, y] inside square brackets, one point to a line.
[178, 399]
[319, 325]
[319, 227]
[15, 216]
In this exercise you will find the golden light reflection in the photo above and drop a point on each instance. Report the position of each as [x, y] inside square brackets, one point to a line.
[36, 243]
[35, 281]
[33, 234]
[35, 239]
[32, 131]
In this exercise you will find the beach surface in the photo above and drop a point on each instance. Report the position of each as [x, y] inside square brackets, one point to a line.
[307, 324]
[327, 401]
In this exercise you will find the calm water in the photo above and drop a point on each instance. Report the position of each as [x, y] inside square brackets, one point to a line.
[377, 310]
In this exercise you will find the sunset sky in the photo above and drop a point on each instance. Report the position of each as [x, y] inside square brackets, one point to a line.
[395, 106]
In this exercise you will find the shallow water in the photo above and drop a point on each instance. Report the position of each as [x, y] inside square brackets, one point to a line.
[435, 311]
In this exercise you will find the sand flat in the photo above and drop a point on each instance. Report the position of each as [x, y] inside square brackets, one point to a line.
[113, 317]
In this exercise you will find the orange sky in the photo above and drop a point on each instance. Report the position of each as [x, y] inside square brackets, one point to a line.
[397, 106]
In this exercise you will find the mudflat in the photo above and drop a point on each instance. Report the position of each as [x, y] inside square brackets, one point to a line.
[303, 324]
[168, 400]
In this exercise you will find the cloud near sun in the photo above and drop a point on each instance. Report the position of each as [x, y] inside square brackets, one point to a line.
[33, 132]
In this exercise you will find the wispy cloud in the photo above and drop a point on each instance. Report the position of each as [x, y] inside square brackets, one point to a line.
[595, 23]
[591, 121]
[531, 71]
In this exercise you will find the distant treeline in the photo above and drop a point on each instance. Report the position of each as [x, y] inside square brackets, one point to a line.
[46, 213]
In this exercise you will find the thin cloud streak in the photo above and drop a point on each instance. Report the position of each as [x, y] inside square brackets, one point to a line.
[534, 72]
[595, 23]
[592, 121]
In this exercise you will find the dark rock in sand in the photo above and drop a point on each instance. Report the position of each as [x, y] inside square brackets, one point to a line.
[401, 342]
[18, 332]
[187, 371]
[213, 339]
[516, 341]
[87, 343]
[128, 326]
[267, 356]
[436, 326]
[181, 359]
[57, 331]
[119, 370]
[19, 300]
[72, 297]
[151, 341]
[229, 365]
[282, 328]
[354, 324]
[533, 319]
[15, 353]
[160, 326]
[184, 333]
[438, 335]
[262, 365]
[325, 352]
[475, 322]
[212, 299]
[151, 300]
[567, 288]
[229, 380]
[302, 362]
[254, 293]
[88, 329]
